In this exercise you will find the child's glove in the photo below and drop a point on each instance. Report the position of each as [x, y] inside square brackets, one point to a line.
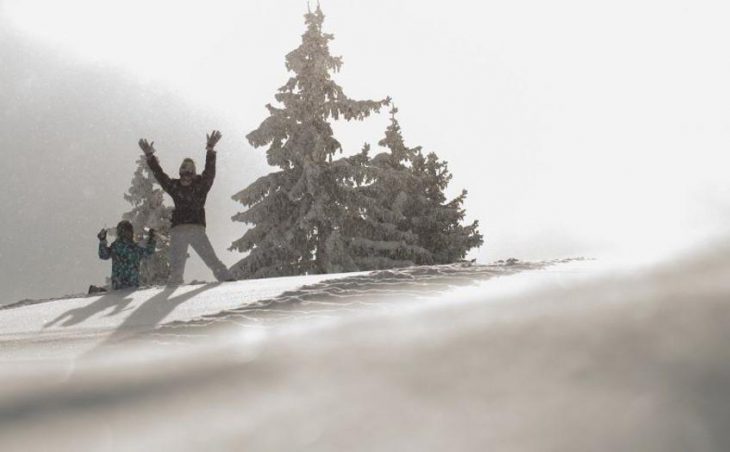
[102, 234]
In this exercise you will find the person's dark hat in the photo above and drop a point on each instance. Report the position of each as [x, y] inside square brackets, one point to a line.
[191, 162]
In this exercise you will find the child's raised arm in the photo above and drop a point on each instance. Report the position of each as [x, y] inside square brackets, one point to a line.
[149, 248]
[104, 251]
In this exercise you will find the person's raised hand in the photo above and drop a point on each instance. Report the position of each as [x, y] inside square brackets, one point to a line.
[102, 234]
[212, 139]
[147, 148]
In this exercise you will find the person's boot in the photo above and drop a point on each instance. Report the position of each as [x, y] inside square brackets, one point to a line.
[175, 282]
[96, 289]
[224, 275]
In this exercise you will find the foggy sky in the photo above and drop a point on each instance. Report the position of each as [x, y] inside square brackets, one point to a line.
[578, 129]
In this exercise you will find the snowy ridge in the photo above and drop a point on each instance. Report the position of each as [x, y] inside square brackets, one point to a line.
[442, 358]
[374, 290]
[67, 329]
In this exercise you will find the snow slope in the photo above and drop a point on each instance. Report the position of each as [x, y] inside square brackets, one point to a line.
[571, 356]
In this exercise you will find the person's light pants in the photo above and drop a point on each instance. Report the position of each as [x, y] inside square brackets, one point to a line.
[193, 235]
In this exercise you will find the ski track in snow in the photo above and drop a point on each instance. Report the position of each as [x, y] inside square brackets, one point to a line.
[562, 355]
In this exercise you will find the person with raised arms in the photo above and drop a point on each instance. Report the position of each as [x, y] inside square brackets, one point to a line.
[189, 194]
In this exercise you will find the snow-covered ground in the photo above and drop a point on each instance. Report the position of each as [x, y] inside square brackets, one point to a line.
[560, 356]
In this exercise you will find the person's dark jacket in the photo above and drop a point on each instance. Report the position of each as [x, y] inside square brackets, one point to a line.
[189, 200]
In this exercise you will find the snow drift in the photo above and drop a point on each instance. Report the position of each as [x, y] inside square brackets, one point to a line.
[570, 356]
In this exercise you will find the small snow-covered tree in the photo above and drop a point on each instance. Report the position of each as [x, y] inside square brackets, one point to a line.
[382, 237]
[149, 211]
[436, 221]
[408, 219]
[297, 213]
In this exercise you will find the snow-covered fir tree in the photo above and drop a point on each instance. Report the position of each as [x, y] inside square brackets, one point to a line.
[382, 236]
[149, 211]
[436, 221]
[297, 214]
[412, 222]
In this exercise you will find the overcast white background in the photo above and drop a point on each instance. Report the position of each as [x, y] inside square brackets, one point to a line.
[579, 128]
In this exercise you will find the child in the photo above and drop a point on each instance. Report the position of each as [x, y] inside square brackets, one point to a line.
[125, 255]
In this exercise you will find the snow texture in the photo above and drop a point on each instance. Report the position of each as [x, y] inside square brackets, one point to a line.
[570, 356]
